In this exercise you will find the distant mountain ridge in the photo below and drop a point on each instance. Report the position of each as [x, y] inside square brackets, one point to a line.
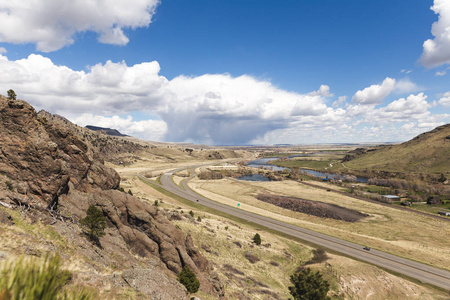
[428, 153]
[108, 131]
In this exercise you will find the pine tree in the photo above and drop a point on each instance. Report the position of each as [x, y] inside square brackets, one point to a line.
[94, 223]
[11, 95]
[189, 280]
[257, 239]
[309, 285]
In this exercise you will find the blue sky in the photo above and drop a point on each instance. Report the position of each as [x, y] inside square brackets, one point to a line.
[234, 72]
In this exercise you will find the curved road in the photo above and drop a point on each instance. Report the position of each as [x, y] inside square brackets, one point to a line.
[421, 272]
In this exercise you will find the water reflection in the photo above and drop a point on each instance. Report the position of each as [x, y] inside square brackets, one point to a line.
[253, 177]
[264, 164]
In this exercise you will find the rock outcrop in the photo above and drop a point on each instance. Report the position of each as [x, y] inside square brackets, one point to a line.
[52, 170]
[41, 159]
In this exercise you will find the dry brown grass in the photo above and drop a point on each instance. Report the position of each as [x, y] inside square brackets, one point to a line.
[178, 179]
[226, 244]
[388, 229]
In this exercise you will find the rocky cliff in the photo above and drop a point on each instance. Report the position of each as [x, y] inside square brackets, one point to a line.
[49, 169]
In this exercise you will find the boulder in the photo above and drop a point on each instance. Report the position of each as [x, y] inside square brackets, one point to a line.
[5, 218]
[155, 285]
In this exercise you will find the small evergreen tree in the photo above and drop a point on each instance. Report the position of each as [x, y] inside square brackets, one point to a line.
[257, 239]
[94, 223]
[442, 179]
[130, 192]
[309, 285]
[11, 95]
[189, 280]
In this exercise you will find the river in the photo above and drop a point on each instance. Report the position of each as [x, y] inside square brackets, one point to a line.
[264, 164]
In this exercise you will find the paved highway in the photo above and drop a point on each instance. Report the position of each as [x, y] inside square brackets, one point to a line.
[422, 272]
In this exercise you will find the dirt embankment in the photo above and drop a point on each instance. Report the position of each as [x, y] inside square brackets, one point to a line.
[314, 208]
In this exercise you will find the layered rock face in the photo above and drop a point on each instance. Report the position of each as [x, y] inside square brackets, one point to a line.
[50, 168]
[40, 158]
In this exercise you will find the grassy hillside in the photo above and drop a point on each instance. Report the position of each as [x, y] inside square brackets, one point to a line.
[426, 153]
[228, 245]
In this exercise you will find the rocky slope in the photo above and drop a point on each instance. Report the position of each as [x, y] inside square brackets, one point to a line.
[55, 175]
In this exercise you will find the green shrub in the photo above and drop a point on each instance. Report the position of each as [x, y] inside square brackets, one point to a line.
[191, 213]
[189, 280]
[130, 192]
[309, 285]
[29, 279]
[94, 223]
[257, 239]
[156, 203]
[11, 95]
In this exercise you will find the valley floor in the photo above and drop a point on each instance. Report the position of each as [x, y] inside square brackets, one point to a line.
[227, 243]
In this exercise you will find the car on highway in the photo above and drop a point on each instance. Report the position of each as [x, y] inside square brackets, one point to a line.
[366, 248]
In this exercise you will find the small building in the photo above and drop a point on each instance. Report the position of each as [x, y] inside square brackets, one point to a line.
[224, 167]
[391, 197]
[444, 213]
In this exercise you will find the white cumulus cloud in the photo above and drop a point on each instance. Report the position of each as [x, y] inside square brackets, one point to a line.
[323, 91]
[51, 24]
[216, 109]
[414, 107]
[375, 93]
[106, 89]
[405, 85]
[340, 101]
[436, 51]
[212, 108]
[222, 109]
[445, 99]
[414, 104]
